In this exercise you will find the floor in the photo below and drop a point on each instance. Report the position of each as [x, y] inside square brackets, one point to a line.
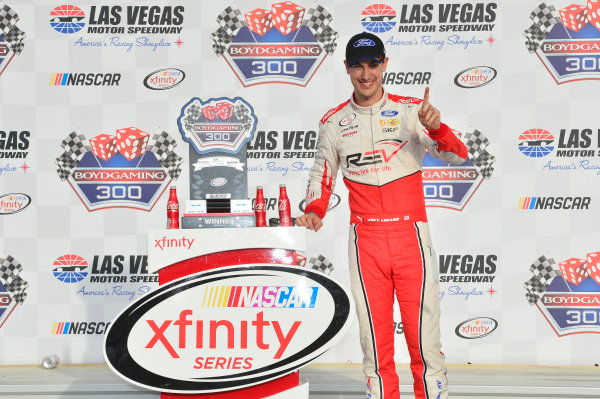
[327, 381]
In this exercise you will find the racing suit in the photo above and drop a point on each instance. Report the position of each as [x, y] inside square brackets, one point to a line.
[380, 151]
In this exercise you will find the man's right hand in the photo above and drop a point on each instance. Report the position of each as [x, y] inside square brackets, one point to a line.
[311, 221]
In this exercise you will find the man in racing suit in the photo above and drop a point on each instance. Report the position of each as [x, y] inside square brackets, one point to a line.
[379, 141]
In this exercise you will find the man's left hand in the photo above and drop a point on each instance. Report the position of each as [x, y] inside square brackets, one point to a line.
[429, 116]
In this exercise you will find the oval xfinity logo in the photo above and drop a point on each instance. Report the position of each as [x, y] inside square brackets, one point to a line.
[346, 120]
[227, 328]
[477, 327]
[164, 79]
[364, 43]
[13, 203]
[334, 201]
[218, 182]
[474, 77]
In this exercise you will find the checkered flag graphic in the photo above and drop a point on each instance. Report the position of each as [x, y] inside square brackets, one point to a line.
[17, 285]
[15, 39]
[243, 114]
[162, 145]
[317, 19]
[65, 165]
[9, 30]
[230, 21]
[534, 289]
[8, 19]
[321, 264]
[544, 17]
[328, 39]
[76, 145]
[534, 37]
[484, 164]
[9, 278]
[9, 268]
[192, 114]
[20, 297]
[173, 164]
[545, 270]
[220, 40]
[476, 143]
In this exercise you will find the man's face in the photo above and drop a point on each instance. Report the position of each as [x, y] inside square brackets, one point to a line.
[366, 77]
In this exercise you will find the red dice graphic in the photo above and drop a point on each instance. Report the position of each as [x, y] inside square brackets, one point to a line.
[574, 17]
[593, 266]
[573, 270]
[132, 142]
[287, 16]
[593, 12]
[209, 112]
[259, 21]
[224, 110]
[104, 146]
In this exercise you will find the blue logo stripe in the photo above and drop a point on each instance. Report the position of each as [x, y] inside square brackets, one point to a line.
[64, 79]
[533, 201]
[66, 329]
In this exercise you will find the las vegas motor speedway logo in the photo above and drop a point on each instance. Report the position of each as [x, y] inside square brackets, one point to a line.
[124, 27]
[452, 186]
[11, 37]
[568, 295]
[117, 276]
[576, 149]
[468, 277]
[128, 170]
[441, 26]
[566, 41]
[285, 44]
[12, 286]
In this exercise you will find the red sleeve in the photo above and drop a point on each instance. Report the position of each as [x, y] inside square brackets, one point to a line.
[448, 142]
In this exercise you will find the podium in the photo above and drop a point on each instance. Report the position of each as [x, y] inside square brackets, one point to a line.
[237, 313]
[195, 251]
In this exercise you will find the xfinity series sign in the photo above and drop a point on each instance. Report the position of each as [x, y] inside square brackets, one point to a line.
[227, 329]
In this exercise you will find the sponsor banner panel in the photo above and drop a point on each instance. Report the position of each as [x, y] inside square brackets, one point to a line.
[252, 324]
[516, 80]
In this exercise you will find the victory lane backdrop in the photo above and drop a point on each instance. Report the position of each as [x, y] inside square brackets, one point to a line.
[514, 227]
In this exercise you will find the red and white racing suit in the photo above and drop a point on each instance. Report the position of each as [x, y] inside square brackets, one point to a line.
[380, 151]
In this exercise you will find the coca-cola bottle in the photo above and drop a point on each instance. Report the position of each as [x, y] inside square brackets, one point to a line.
[173, 209]
[260, 208]
[285, 212]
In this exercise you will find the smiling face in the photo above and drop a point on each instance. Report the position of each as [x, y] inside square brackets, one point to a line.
[366, 77]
